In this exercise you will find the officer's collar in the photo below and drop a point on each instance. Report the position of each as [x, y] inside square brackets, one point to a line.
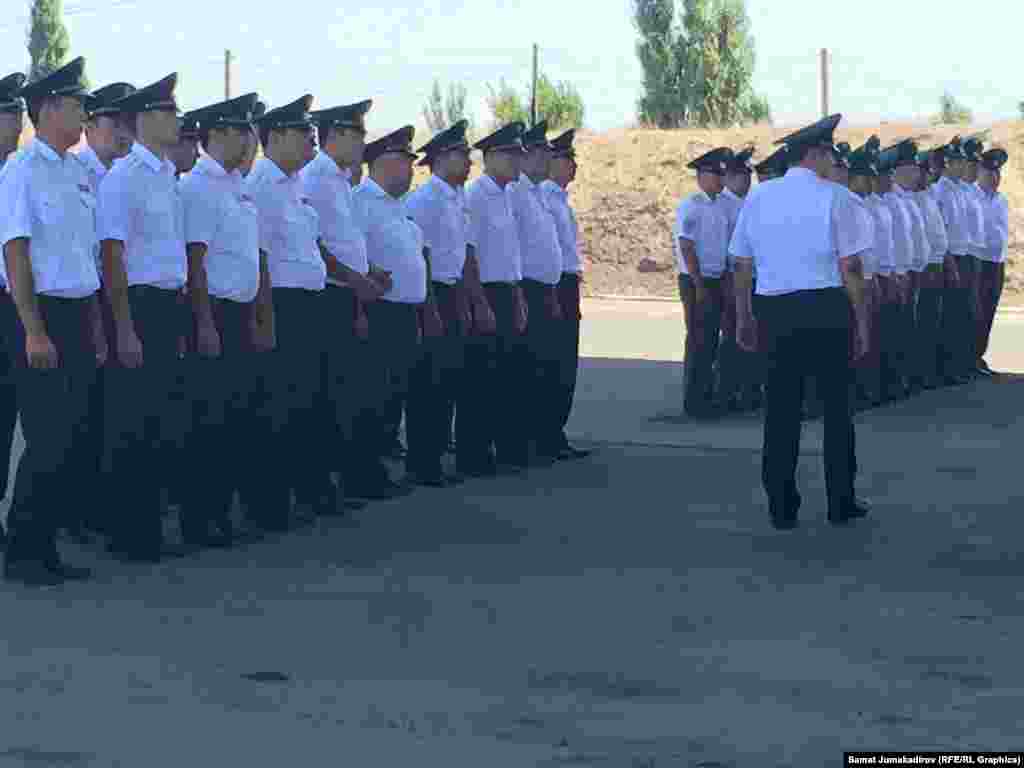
[45, 151]
[144, 154]
[445, 188]
[211, 167]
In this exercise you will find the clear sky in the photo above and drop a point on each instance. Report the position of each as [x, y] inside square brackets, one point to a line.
[888, 60]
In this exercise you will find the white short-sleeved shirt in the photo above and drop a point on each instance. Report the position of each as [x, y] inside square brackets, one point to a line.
[864, 221]
[393, 242]
[935, 227]
[220, 215]
[439, 210]
[975, 218]
[793, 230]
[949, 198]
[565, 224]
[494, 232]
[902, 238]
[140, 207]
[329, 190]
[46, 198]
[921, 247]
[704, 222]
[288, 228]
[4, 166]
[538, 238]
[881, 215]
[997, 226]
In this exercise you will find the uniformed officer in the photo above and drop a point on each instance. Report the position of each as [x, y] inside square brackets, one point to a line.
[772, 167]
[143, 248]
[184, 153]
[48, 234]
[992, 262]
[929, 308]
[804, 262]
[542, 270]
[562, 171]
[109, 134]
[917, 337]
[292, 460]
[739, 384]
[895, 339]
[956, 306]
[405, 314]
[699, 237]
[438, 208]
[12, 120]
[972, 149]
[224, 280]
[347, 393]
[494, 364]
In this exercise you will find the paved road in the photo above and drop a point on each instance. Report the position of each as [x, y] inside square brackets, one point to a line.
[631, 610]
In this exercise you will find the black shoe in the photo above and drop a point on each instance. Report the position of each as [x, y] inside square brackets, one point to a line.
[68, 572]
[31, 573]
[487, 470]
[380, 491]
[783, 513]
[3, 538]
[568, 453]
[428, 479]
[785, 522]
[510, 470]
[454, 478]
[853, 510]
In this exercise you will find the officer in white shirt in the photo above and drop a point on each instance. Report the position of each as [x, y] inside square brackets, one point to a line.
[992, 262]
[555, 190]
[700, 243]
[139, 224]
[12, 111]
[293, 322]
[227, 282]
[895, 338]
[929, 305]
[406, 314]
[957, 321]
[862, 173]
[109, 134]
[972, 149]
[347, 395]
[47, 234]
[739, 384]
[542, 271]
[793, 231]
[436, 384]
[494, 364]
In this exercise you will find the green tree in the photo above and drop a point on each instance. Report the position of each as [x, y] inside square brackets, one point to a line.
[560, 103]
[442, 111]
[48, 40]
[952, 112]
[697, 68]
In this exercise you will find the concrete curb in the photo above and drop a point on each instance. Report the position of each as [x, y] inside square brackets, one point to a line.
[675, 300]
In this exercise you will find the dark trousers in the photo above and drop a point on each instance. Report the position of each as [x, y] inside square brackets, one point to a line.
[494, 373]
[702, 327]
[929, 322]
[807, 333]
[991, 277]
[740, 373]
[890, 334]
[8, 392]
[542, 370]
[911, 330]
[219, 456]
[51, 403]
[293, 454]
[569, 350]
[434, 384]
[868, 371]
[138, 416]
[394, 351]
[959, 323]
[349, 389]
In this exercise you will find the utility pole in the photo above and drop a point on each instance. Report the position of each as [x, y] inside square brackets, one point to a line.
[227, 75]
[533, 91]
[824, 82]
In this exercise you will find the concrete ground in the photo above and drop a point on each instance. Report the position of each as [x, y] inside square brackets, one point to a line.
[633, 609]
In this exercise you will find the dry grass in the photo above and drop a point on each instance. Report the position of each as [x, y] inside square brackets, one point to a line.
[630, 182]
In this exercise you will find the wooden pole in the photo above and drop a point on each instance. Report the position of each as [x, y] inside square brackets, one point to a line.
[533, 91]
[227, 75]
[824, 83]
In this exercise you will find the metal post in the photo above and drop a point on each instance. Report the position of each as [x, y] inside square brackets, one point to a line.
[824, 82]
[227, 75]
[533, 91]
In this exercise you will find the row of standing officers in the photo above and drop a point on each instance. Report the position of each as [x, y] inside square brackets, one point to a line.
[872, 273]
[934, 272]
[292, 311]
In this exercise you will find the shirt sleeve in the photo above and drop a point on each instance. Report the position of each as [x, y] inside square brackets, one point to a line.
[200, 213]
[418, 207]
[113, 210]
[258, 192]
[687, 221]
[739, 245]
[15, 201]
[849, 235]
[999, 232]
[937, 235]
[473, 216]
